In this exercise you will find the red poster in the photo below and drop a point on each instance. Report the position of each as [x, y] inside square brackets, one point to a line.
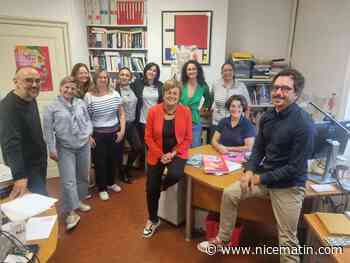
[37, 57]
[191, 30]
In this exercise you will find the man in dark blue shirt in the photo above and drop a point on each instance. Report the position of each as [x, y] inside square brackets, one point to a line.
[277, 167]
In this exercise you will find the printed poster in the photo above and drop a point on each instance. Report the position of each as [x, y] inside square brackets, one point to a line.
[37, 57]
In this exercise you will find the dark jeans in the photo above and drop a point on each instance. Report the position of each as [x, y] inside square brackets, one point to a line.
[155, 183]
[133, 138]
[37, 178]
[107, 156]
[141, 129]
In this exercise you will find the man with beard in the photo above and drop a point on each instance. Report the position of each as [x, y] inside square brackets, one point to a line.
[277, 166]
[21, 137]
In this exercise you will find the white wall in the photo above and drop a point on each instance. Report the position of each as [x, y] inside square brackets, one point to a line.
[71, 11]
[261, 27]
[218, 38]
[322, 48]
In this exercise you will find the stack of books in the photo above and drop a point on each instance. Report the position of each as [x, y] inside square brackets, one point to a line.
[115, 12]
[103, 38]
[113, 61]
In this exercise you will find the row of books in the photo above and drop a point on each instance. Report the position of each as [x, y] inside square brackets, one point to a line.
[259, 94]
[104, 38]
[113, 61]
[115, 12]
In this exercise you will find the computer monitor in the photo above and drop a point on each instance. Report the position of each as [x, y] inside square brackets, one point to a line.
[329, 130]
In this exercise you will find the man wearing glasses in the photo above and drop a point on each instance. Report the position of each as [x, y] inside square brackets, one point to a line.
[277, 166]
[21, 137]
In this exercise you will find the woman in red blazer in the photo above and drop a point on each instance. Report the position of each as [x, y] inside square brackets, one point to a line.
[168, 136]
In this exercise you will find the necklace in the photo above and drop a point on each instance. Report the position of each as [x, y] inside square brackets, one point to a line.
[167, 112]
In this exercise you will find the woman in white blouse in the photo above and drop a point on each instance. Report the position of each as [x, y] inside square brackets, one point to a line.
[223, 89]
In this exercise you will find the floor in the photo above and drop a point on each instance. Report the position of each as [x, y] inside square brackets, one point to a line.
[111, 232]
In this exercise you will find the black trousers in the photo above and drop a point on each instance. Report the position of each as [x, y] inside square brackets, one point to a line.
[107, 157]
[133, 137]
[156, 182]
[141, 129]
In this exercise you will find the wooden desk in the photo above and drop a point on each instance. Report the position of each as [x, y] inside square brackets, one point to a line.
[204, 191]
[319, 231]
[46, 246]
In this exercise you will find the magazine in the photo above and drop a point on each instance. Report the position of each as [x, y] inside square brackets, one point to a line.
[214, 165]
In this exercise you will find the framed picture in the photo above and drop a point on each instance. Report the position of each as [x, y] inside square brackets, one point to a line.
[186, 29]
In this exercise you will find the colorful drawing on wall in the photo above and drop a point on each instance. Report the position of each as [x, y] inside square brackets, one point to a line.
[191, 29]
[37, 57]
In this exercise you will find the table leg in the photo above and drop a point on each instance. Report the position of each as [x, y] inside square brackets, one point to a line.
[189, 214]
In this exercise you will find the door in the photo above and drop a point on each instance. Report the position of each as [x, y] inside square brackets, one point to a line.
[24, 32]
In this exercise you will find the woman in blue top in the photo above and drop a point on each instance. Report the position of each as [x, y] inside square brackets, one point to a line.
[234, 133]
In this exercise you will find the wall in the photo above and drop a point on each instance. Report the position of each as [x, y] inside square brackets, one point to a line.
[322, 48]
[261, 27]
[63, 10]
[218, 39]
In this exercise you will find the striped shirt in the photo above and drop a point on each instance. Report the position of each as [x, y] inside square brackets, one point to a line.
[221, 95]
[103, 110]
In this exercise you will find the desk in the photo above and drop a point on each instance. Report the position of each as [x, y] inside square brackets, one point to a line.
[317, 229]
[46, 246]
[204, 191]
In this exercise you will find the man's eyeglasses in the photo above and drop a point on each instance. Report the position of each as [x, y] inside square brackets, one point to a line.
[275, 88]
[33, 80]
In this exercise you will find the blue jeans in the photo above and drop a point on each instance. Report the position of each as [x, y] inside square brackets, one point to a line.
[73, 165]
[196, 135]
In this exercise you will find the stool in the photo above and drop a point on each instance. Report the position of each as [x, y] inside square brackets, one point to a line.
[172, 203]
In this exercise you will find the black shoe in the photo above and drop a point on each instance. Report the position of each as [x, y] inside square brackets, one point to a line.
[127, 180]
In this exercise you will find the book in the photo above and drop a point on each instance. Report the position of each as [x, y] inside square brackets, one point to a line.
[214, 165]
[233, 161]
[336, 224]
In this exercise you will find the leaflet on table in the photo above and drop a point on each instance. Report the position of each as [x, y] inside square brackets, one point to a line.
[27, 206]
[233, 163]
[214, 165]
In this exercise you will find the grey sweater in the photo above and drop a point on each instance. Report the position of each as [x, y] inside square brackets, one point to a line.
[66, 124]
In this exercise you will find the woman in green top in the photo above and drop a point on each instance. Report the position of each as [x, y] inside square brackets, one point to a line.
[194, 89]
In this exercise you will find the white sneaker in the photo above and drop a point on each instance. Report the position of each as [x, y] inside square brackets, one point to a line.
[84, 207]
[72, 220]
[104, 196]
[116, 188]
[150, 228]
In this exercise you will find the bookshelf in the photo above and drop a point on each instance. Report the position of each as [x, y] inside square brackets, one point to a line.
[260, 97]
[117, 35]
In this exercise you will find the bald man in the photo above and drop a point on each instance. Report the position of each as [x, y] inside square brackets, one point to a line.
[21, 136]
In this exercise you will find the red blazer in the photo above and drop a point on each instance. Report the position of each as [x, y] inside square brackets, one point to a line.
[154, 132]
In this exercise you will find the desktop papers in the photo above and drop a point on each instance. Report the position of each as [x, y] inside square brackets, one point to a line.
[39, 227]
[27, 206]
[319, 188]
[5, 173]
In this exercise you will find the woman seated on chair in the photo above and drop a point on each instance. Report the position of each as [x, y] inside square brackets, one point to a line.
[168, 136]
[234, 133]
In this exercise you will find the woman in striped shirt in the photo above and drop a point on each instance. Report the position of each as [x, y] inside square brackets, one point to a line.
[108, 119]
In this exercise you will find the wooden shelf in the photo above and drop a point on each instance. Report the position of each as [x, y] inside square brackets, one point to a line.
[92, 70]
[118, 49]
[255, 80]
[115, 26]
[260, 105]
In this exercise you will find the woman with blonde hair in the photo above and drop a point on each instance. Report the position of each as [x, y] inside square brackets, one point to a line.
[168, 136]
[108, 118]
[67, 129]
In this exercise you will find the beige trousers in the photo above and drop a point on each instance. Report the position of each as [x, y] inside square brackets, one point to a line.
[286, 206]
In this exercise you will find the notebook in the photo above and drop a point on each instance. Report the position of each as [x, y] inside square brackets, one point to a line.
[336, 224]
